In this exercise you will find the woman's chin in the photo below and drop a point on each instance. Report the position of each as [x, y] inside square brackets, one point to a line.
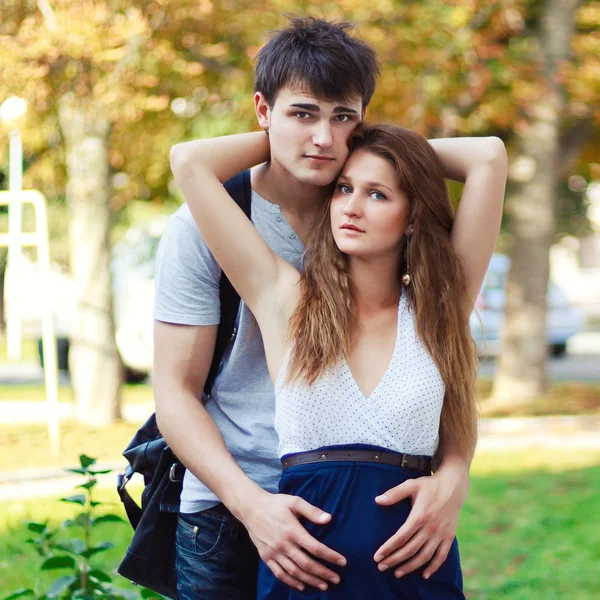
[349, 248]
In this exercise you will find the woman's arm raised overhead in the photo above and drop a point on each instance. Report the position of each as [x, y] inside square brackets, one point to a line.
[200, 167]
[481, 164]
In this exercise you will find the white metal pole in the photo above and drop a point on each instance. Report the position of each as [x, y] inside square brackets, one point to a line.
[15, 228]
[48, 337]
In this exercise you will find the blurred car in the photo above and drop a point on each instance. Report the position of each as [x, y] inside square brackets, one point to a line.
[563, 319]
[132, 273]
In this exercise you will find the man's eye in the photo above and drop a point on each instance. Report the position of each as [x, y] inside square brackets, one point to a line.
[342, 118]
[302, 115]
[378, 195]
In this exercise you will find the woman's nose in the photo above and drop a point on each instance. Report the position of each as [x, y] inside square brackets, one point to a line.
[353, 206]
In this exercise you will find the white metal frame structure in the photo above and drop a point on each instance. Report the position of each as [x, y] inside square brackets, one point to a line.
[38, 239]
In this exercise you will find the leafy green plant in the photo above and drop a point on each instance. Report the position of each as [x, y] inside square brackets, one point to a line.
[84, 581]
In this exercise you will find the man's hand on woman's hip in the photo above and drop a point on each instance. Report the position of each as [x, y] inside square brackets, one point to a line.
[428, 533]
[272, 520]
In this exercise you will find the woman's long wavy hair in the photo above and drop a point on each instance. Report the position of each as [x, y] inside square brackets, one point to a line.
[323, 327]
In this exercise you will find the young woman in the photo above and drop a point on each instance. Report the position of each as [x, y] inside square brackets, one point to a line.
[369, 348]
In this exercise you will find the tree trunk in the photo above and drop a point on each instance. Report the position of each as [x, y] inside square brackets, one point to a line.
[531, 212]
[94, 362]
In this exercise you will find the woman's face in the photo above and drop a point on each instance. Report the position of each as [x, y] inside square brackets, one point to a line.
[368, 211]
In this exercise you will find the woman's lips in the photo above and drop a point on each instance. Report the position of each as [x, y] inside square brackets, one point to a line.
[348, 227]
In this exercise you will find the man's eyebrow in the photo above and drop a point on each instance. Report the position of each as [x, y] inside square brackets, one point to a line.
[316, 108]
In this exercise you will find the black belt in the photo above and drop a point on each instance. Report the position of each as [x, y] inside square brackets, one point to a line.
[406, 461]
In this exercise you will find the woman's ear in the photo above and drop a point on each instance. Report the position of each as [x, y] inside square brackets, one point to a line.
[410, 229]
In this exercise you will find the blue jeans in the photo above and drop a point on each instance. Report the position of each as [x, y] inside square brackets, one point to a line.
[215, 558]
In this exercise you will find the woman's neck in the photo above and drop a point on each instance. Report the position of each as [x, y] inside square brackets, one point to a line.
[376, 283]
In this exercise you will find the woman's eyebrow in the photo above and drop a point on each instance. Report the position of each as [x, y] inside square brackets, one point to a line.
[373, 184]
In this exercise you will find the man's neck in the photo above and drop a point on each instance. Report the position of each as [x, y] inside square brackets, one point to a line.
[299, 202]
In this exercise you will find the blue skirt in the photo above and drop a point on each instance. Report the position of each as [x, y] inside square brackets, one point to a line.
[358, 527]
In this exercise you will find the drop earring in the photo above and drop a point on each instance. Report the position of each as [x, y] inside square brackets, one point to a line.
[406, 276]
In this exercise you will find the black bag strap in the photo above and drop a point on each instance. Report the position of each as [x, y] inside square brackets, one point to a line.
[240, 189]
[134, 512]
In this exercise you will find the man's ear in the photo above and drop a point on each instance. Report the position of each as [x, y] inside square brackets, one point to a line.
[263, 111]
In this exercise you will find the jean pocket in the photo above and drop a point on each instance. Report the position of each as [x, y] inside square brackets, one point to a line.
[201, 537]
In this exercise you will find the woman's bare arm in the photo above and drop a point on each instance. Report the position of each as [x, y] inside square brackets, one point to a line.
[481, 164]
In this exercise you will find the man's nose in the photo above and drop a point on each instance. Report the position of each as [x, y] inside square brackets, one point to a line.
[322, 136]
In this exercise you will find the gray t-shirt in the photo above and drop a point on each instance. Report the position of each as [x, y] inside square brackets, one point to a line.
[242, 401]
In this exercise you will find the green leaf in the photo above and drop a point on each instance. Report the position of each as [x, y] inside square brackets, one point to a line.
[100, 576]
[72, 546]
[78, 499]
[145, 593]
[109, 519]
[86, 461]
[121, 594]
[36, 527]
[20, 594]
[60, 585]
[88, 485]
[101, 472]
[78, 471]
[95, 503]
[59, 562]
[99, 548]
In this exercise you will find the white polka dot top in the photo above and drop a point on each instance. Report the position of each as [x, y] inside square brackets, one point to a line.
[402, 413]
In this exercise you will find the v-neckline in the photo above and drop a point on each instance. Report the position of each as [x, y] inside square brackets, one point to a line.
[347, 366]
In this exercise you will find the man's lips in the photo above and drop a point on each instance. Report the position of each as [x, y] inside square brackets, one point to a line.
[351, 227]
[318, 157]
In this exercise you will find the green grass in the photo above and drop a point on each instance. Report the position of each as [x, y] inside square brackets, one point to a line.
[19, 563]
[533, 536]
[36, 392]
[529, 529]
[26, 446]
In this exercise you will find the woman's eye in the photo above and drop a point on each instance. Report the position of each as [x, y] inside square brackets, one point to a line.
[378, 195]
[345, 189]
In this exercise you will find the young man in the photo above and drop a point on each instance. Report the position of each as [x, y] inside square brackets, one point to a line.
[313, 84]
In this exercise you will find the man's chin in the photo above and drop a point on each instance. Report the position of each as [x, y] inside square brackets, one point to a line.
[318, 178]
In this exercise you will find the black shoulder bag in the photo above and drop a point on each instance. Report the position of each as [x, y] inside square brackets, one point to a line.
[150, 557]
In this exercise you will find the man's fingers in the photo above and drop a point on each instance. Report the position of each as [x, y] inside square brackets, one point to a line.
[403, 553]
[302, 508]
[297, 573]
[401, 537]
[400, 492]
[282, 575]
[313, 568]
[422, 557]
[316, 548]
[441, 554]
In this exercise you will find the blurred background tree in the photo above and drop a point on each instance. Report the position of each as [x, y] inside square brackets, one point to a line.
[112, 85]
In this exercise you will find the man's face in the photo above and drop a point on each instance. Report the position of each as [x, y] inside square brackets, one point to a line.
[309, 136]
